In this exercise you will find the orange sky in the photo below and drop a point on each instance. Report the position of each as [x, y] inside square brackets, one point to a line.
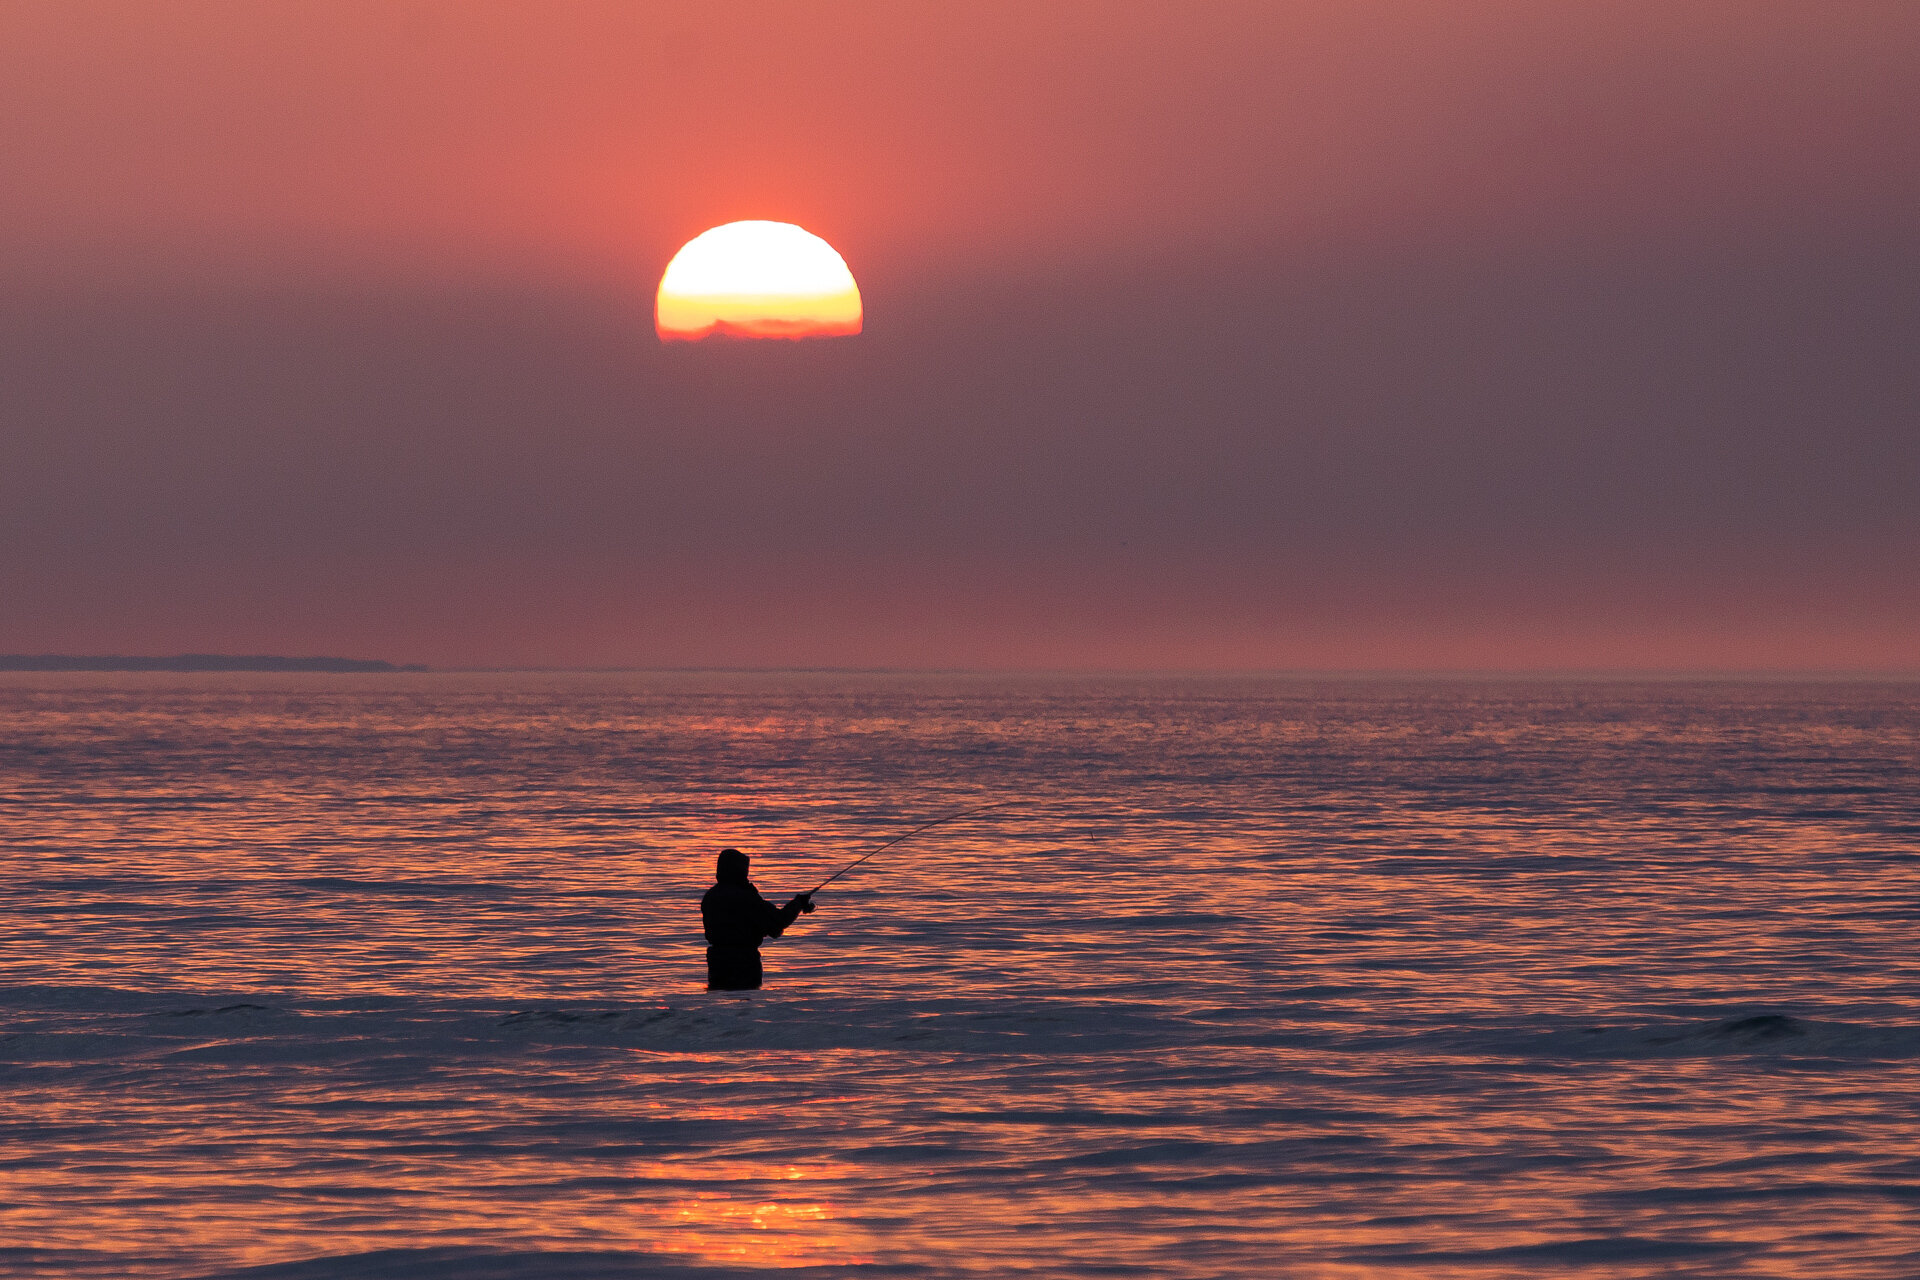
[1219, 335]
[529, 137]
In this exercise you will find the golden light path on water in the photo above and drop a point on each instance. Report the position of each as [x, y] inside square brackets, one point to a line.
[1358, 979]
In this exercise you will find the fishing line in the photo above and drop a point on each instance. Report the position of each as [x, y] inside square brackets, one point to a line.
[925, 826]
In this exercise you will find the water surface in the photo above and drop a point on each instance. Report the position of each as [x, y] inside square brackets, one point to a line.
[401, 974]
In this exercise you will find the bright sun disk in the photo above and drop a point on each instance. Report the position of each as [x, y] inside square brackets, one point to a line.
[757, 280]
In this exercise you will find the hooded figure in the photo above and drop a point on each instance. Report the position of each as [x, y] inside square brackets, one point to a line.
[736, 919]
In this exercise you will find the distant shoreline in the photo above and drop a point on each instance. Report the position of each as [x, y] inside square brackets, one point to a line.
[189, 662]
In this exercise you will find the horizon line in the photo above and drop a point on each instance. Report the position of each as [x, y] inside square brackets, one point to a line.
[1869, 674]
[192, 663]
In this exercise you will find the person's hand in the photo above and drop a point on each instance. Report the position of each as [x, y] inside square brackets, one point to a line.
[806, 904]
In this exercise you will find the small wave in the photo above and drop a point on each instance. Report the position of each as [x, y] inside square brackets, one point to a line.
[465, 1263]
[411, 888]
[83, 999]
[92, 1022]
[1588, 1251]
[1757, 1033]
[243, 1007]
[26, 1260]
[1165, 920]
[746, 1023]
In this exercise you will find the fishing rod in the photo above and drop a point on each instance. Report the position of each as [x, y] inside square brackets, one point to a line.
[925, 826]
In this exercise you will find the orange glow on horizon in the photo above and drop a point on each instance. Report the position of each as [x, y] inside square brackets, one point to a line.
[757, 280]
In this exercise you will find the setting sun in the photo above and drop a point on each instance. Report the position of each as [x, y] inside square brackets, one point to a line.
[757, 280]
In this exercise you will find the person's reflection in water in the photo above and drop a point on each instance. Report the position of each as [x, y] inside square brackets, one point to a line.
[736, 918]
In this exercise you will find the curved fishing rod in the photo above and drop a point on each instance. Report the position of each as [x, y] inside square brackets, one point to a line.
[925, 826]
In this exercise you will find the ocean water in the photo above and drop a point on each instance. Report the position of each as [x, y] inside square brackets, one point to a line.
[400, 975]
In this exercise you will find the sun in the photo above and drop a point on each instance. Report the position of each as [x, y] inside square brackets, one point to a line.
[756, 280]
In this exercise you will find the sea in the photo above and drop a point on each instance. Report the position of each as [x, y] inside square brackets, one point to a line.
[401, 975]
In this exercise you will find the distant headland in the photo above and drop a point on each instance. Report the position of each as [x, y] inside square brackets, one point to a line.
[192, 662]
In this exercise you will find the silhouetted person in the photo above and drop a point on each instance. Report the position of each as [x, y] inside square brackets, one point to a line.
[736, 919]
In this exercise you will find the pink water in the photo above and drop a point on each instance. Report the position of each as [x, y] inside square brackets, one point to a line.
[370, 975]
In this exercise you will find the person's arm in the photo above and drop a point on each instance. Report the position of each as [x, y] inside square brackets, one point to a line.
[784, 916]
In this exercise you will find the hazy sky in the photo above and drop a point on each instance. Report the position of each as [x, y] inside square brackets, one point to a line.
[1197, 335]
